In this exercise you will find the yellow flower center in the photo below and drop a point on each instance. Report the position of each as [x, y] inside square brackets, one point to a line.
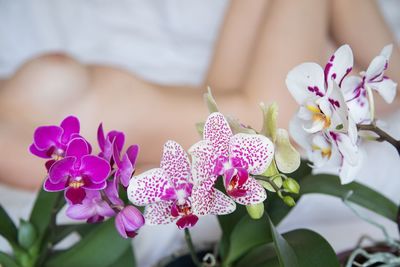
[318, 115]
[325, 152]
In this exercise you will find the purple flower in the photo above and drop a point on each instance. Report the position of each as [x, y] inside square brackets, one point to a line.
[93, 208]
[234, 157]
[77, 171]
[126, 165]
[106, 142]
[52, 141]
[128, 221]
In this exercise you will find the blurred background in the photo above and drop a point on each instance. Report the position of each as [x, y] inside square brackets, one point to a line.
[141, 66]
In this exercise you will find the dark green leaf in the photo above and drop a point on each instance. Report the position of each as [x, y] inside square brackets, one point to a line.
[126, 260]
[99, 248]
[362, 195]
[246, 235]
[7, 261]
[286, 255]
[311, 250]
[46, 206]
[7, 227]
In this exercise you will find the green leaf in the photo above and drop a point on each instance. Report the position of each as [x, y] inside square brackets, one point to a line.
[46, 205]
[127, 259]
[7, 261]
[286, 255]
[99, 248]
[7, 227]
[247, 234]
[362, 195]
[310, 248]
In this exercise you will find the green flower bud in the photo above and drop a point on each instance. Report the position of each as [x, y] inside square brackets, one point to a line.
[26, 234]
[255, 211]
[291, 185]
[289, 201]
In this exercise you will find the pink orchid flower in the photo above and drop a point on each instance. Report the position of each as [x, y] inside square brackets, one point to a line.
[108, 142]
[357, 90]
[317, 91]
[234, 157]
[126, 165]
[170, 193]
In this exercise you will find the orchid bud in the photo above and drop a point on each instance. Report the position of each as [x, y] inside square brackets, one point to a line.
[289, 201]
[26, 234]
[210, 101]
[255, 211]
[291, 185]
[128, 221]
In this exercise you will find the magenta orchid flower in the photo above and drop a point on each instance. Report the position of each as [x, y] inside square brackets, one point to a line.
[234, 157]
[77, 171]
[126, 165]
[52, 141]
[317, 91]
[106, 142]
[170, 193]
[358, 90]
[93, 208]
[128, 221]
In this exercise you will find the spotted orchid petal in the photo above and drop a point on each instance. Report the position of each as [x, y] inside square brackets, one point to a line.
[255, 193]
[218, 132]
[254, 149]
[148, 187]
[175, 163]
[158, 213]
[287, 158]
[203, 161]
[339, 65]
[203, 199]
[305, 82]
[223, 204]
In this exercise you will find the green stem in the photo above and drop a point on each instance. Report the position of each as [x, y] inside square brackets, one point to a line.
[383, 136]
[269, 180]
[188, 239]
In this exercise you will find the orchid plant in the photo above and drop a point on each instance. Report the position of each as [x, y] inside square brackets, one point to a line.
[250, 179]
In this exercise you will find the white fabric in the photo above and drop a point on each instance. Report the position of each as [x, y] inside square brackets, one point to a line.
[164, 41]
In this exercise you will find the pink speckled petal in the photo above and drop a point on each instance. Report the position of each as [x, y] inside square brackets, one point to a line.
[203, 161]
[175, 163]
[257, 150]
[158, 213]
[255, 193]
[148, 187]
[223, 204]
[203, 199]
[218, 132]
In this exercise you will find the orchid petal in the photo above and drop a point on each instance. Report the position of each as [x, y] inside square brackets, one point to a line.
[148, 187]
[60, 170]
[158, 213]
[80, 211]
[70, 126]
[316, 126]
[47, 136]
[387, 51]
[346, 147]
[37, 152]
[78, 147]
[54, 187]
[287, 158]
[203, 161]
[256, 150]
[101, 139]
[218, 132]
[96, 168]
[339, 65]
[203, 199]
[75, 195]
[187, 221]
[386, 88]
[306, 81]
[175, 163]
[223, 204]
[338, 104]
[132, 153]
[376, 68]
[255, 193]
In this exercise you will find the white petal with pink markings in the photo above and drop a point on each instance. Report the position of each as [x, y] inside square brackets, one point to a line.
[158, 213]
[175, 163]
[255, 193]
[218, 132]
[256, 150]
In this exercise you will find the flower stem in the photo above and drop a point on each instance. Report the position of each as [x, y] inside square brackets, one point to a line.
[271, 182]
[188, 239]
[383, 136]
[104, 196]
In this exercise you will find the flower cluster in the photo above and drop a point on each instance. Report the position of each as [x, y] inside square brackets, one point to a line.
[90, 182]
[333, 104]
[182, 190]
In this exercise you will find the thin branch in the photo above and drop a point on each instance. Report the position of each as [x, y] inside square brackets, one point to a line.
[383, 136]
[189, 242]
